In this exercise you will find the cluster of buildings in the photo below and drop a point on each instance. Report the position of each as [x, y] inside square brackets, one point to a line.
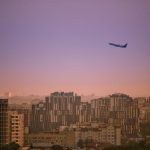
[70, 136]
[62, 118]
[64, 109]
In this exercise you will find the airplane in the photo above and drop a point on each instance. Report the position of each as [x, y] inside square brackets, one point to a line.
[118, 45]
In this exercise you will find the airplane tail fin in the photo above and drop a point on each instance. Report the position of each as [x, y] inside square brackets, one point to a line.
[126, 45]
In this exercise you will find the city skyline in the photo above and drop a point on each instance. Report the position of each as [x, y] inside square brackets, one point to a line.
[48, 46]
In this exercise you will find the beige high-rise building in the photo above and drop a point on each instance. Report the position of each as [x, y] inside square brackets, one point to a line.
[58, 109]
[144, 109]
[25, 109]
[84, 112]
[16, 127]
[4, 130]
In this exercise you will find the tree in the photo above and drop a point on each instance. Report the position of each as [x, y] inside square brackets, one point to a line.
[131, 146]
[31, 146]
[80, 143]
[14, 146]
[89, 143]
[145, 129]
[4, 147]
[56, 147]
[10, 146]
[86, 142]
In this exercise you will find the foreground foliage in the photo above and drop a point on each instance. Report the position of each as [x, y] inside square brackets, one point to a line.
[57, 147]
[130, 146]
[145, 129]
[10, 146]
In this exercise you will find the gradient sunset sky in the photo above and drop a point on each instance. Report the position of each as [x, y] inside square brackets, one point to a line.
[62, 45]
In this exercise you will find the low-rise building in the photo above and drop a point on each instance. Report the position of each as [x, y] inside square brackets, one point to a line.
[99, 133]
[46, 140]
[69, 136]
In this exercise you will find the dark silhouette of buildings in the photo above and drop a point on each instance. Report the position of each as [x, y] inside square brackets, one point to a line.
[4, 129]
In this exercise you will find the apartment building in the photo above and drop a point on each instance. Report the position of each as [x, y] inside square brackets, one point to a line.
[84, 112]
[98, 133]
[46, 140]
[118, 109]
[16, 125]
[58, 109]
[4, 130]
[24, 109]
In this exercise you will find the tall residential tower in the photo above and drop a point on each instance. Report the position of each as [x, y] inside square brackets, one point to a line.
[59, 108]
[4, 130]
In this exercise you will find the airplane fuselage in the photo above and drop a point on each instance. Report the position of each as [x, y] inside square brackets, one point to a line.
[118, 45]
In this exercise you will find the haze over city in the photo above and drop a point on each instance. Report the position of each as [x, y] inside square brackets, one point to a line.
[62, 45]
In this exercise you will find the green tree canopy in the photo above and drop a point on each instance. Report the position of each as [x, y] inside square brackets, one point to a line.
[10, 146]
[56, 147]
[130, 146]
[80, 143]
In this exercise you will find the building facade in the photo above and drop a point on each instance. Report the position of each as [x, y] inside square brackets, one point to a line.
[58, 109]
[4, 129]
[100, 109]
[64, 109]
[84, 112]
[46, 140]
[16, 126]
[144, 109]
[98, 133]
[70, 136]
[24, 109]
[118, 109]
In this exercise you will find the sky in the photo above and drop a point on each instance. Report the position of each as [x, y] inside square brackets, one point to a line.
[62, 45]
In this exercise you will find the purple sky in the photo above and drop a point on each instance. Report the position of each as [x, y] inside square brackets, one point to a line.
[63, 45]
